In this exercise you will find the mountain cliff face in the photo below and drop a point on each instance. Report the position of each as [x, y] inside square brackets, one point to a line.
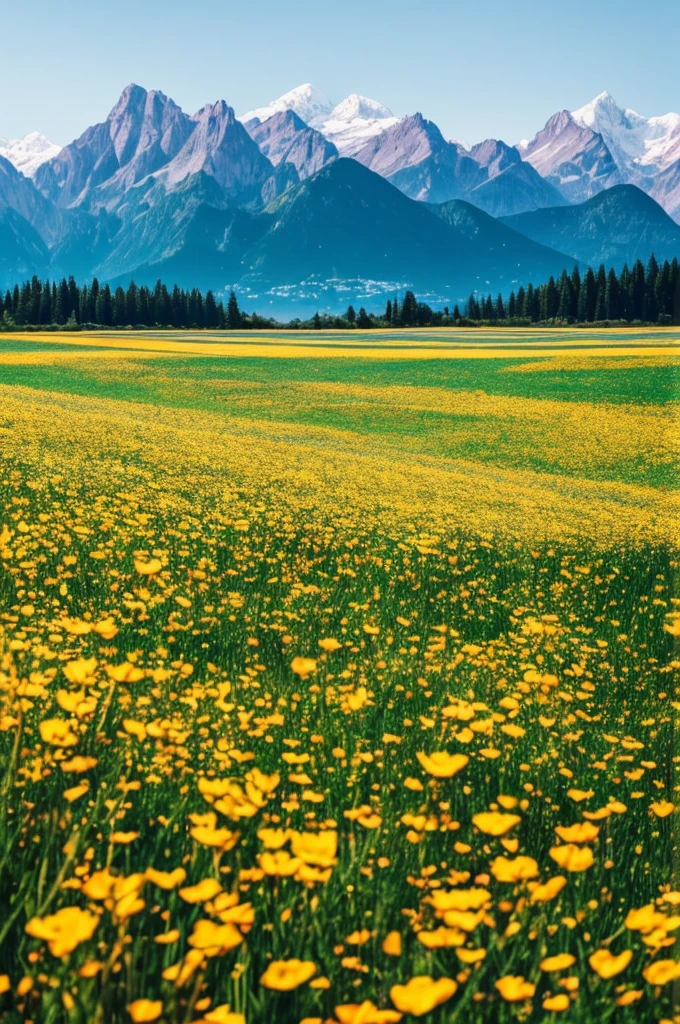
[148, 134]
[415, 157]
[141, 134]
[220, 147]
[285, 139]
[18, 193]
[571, 157]
[601, 145]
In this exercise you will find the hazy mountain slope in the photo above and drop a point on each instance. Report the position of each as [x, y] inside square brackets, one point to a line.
[22, 250]
[615, 227]
[347, 222]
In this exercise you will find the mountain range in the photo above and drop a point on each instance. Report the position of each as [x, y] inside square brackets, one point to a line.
[304, 203]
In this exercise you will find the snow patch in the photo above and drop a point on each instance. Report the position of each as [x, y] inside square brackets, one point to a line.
[29, 153]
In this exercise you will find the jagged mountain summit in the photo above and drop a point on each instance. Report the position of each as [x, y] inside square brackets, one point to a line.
[308, 102]
[143, 131]
[273, 205]
[572, 157]
[28, 153]
[220, 146]
[353, 122]
[414, 155]
[601, 144]
[348, 125]
[637, 143]
[284, 138]
[147, 134]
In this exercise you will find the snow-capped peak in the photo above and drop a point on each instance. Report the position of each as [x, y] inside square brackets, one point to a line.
[354, 106]
[354, 121]
[308, 102]
[636, 142]
[602, 107]
[29, 153]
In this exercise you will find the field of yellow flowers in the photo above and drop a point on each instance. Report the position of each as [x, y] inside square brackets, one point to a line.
[337, 693]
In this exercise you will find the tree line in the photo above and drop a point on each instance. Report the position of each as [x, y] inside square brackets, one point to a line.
[67, 304]
[642, 294]
[648, 294]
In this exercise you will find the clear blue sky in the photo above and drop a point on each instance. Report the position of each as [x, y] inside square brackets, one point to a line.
[496, 70]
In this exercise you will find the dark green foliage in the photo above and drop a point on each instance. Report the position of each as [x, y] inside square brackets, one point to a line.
[649, 295]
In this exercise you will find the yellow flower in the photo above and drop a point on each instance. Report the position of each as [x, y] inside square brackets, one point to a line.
[124, 838]
[459, 899]
[316, 848]
[548, 890]
[442, 938]
[662, 808]
[75, 792]
[442, 765]
[150, 568]
[330, 644]
[505, 869]
[630, 996]
[78, 764]
[581, 832]
[577, 795]
[214, 938]
[607, 965]
[559, 962]
[421, 994]
[661, 972]
[514, 988]
[556, 1004]
[63, 931]
[494, 823]
[57, 732]
[303, 667]
[106, 628]
[81, 670]
[166, 879]
[471, 956]
[5, 984]
[223, 1015]
[143, 1010]
[285, 975]
[392, 944]
[571, 857]
[644, 919]
[207, 889]
[364, 1013]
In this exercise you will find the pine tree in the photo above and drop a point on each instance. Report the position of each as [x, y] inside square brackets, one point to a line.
[611, 301]
[350, 316]
[233, 312]
[409, 310]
